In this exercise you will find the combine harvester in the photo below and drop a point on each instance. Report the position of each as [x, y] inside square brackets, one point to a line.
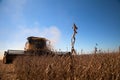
[34, 46]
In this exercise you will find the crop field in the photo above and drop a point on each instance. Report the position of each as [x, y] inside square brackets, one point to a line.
[7, 71]
[102, 66]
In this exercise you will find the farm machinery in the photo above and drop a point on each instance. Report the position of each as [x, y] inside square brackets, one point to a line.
[34, 46]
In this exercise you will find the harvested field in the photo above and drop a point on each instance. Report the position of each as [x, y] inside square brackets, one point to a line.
[84, 67]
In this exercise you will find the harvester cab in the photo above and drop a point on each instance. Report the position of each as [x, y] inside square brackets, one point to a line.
[37, 43]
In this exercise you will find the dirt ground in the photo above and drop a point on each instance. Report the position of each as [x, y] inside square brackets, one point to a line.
[7, 71]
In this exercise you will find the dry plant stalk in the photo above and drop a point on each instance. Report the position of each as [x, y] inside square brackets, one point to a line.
[73, 52]
[101, 66]
[92, 67]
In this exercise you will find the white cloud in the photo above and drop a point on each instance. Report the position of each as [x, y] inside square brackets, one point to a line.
[52, 33]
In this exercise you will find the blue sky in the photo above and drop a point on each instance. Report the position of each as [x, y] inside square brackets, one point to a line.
[98, 21]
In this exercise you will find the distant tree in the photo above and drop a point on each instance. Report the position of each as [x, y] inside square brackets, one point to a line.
[96, 48]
